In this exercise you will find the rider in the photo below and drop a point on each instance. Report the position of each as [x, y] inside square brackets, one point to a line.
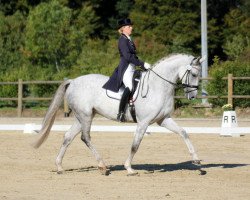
[123, 74]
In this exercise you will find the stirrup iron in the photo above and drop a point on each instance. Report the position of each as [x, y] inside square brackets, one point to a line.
[121, 117]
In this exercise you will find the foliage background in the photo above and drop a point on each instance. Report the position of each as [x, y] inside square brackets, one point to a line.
[57, 39]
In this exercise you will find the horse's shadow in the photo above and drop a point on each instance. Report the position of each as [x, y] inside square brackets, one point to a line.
[175, 167]
[188, 165]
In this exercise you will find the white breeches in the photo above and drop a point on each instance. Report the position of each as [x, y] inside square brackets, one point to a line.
[128, 76]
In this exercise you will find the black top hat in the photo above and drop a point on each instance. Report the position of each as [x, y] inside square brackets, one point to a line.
[124, 22]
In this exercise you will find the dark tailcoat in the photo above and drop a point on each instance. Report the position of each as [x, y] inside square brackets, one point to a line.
[127, 52]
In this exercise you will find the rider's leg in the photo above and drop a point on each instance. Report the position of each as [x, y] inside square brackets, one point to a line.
[127, 80]
[128, 77]
[123, 103]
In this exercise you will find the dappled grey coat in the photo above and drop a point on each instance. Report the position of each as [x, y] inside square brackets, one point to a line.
[127, 52]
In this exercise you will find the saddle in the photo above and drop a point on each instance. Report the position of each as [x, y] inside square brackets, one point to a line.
[133, 94]
[118, 95]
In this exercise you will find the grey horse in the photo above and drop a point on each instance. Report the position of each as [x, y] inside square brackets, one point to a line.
[154, 104]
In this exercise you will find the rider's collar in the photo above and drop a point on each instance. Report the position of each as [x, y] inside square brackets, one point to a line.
[127, 36]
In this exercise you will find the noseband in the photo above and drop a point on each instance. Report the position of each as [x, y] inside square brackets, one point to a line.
[186, 84]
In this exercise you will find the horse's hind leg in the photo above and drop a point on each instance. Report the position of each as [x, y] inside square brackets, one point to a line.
[85, 137]
[68, 138]
[172, 126]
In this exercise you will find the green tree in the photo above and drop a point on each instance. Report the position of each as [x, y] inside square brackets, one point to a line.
[55, 34]
[47, 34]
[172, 23]
[123, 7]
[218, 86]
[11, 41]
[10, 7]
[236, 34]
[235, 47]
[98, 56]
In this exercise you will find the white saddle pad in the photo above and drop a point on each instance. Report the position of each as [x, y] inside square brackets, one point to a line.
[115, 95]
[118, 95]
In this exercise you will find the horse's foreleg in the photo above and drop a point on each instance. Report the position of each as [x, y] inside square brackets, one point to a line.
[140, 130]
[68, 138]
[170, 124]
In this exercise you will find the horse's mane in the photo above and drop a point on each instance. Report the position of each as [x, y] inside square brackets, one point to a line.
[168, 57]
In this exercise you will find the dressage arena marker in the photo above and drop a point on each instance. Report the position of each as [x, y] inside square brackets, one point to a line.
[229, 124]
[29, 129]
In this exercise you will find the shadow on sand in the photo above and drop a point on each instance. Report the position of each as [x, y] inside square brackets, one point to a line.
[161, 167]
[175, 167]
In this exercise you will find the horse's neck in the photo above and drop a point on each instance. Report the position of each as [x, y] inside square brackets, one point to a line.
[168, 71]
[172, 68]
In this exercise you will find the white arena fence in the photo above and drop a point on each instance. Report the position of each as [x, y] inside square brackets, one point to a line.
[30, 128]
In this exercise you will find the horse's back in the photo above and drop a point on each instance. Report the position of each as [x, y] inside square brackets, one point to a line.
[86, 92]
[88, 82]
[90, 79]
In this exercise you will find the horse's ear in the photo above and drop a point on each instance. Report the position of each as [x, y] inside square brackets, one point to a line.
[196, 60]
[202, 59]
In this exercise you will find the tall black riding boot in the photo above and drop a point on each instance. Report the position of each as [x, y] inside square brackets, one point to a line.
[123, 103]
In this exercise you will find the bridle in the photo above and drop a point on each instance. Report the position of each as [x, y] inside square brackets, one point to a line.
[184, 85]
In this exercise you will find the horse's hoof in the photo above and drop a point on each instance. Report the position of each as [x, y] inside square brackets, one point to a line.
[59, 172]
[202, 172]
[197, 162]
[149, 172]
[133, 174]
[104, 171]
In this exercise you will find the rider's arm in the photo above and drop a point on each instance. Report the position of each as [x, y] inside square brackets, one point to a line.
[127, 52]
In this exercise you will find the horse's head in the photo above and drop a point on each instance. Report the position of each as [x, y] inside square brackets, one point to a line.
[190, 77]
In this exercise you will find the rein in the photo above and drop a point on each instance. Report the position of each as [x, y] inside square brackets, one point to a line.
[164, 78]
[181, 85]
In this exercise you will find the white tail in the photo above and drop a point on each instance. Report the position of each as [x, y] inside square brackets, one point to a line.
[51, 113]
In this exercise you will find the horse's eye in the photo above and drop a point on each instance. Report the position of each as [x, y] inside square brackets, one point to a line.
[194, 75]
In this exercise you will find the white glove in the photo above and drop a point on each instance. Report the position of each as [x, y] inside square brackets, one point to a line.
[147, 66]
